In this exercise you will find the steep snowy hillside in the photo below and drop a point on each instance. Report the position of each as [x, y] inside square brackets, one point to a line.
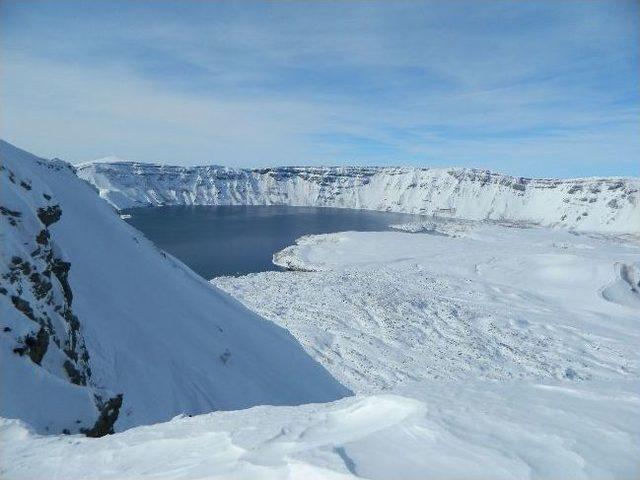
[97, 325]
[596, 204]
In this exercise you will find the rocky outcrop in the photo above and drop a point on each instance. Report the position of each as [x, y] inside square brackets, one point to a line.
[109, 411]
[35, 280]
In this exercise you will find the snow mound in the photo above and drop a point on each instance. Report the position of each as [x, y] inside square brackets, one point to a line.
[476, 430]
[449, 229]
[625, 289]
[98, 325]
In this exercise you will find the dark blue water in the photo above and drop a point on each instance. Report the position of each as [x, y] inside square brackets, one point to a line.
[227, 240]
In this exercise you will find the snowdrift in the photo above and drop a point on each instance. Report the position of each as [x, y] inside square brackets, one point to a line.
[471, 430]
[590, 204]
[100, 330]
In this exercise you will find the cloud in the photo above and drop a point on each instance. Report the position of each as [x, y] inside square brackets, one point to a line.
[542, 88]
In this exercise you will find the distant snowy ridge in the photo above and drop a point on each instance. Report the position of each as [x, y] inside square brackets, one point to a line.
[589, 204]
[107, 159]
[100, 330]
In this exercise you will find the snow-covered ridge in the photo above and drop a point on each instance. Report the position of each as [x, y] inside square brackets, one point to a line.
[588, 204]
[107, 159]
[472, 430]
[100, 330]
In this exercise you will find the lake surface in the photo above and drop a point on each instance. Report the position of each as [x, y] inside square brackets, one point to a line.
[233, 240]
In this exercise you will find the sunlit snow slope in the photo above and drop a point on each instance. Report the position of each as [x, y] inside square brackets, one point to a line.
[591, 204]
[437, 430]
[480, 352]
[476, 351]
[470, 301]
[91, 310]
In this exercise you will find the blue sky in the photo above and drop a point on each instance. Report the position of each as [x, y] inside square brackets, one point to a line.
[527, 88]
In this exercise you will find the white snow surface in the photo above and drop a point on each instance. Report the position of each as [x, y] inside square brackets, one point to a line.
[475, 351]
[439, 430]
[107, 159]
[504, 334]
[155, 332]
[381, 308]
[588, 204]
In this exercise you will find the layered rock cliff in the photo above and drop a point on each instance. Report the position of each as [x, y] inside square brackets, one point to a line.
[590, 204]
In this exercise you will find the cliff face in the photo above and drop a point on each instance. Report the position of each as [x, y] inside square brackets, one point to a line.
[46, 374]
[99, 330]
[591, 204]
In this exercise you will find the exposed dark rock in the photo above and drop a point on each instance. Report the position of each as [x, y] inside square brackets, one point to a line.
[25, 185]
[35, 347]
[9, 213]
[49, 215]
[43, 237]
[23, 306]
[71, 354]
[108, 415]
[41, 286]
[48, 197]
[74, 374]
[60, 269]
[72, 320]
[25, 267]
[74, 329]
[12, 214]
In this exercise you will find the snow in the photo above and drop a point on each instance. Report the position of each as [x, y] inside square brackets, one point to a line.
[590, 204]
[107, 159]
[154, 331]
[476, 429]
[381, 308]
[475, 350]
[436, 226]
[520, 342]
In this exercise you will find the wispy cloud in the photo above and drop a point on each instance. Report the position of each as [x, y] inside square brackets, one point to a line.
[541, 88]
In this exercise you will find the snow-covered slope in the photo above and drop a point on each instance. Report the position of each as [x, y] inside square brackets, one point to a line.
[592, 204]
[108, 159]
[435, 430]
[478, 352]
[379, 309]
[96, 323]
